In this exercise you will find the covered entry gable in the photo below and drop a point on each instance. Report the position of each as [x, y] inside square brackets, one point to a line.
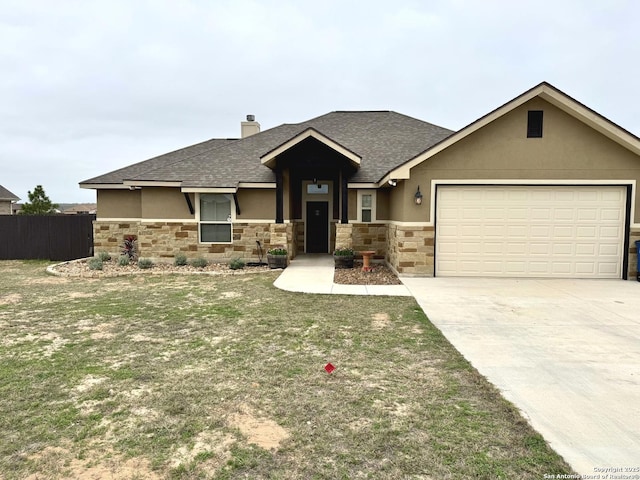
[269, 159]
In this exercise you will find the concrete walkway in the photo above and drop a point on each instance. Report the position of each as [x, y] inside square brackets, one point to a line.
[313, 273]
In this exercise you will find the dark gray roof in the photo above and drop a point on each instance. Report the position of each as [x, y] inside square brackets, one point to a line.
[383, 140]
[7, 195]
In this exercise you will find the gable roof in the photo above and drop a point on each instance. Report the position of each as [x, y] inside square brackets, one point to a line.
[378, 141]
[547, 92]
[6, 195]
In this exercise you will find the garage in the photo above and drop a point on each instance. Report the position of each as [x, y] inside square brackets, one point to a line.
[569, 231]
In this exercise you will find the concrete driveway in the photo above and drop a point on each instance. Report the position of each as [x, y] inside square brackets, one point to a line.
[565, 352]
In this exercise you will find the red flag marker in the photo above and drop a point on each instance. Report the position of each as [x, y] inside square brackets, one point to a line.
[329, 368]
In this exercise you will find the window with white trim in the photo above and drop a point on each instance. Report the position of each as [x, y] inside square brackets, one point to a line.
[215, 217]
[366, 206]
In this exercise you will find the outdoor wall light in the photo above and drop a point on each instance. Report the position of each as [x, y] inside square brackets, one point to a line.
[393, 182]
[418, 197]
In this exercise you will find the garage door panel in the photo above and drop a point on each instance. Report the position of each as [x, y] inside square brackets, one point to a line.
[610, 232]
[587, 214]
[585, 268]
[568, 231]
[588, 249]
[609, 250]
[607, 268]
[540, 249]
[540, 231]
[610, 214]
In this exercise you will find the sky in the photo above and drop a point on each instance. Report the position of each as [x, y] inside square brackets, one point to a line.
[89, 86]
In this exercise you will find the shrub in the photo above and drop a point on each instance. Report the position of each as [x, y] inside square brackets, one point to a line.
[124, 260]
[129, 247]
[145, 263]
[104, 256]
[199, 262]
[277, 251]
[180, 260]
[236, 264]
[343, 252]
[95, 263]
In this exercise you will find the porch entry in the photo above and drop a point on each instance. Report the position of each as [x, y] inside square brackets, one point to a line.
[317, 227]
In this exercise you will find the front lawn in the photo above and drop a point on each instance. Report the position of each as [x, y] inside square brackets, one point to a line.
[222, 377]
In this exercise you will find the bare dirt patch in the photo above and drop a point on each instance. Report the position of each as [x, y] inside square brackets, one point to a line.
[380, 320]
[10, 299]
[260, 431]
[214, 443]
[56, 462]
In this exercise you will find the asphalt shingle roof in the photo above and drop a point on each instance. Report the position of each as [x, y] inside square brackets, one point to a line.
[383, 140]
[7, 195]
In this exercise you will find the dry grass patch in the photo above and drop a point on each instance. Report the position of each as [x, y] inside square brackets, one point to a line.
[222, 377]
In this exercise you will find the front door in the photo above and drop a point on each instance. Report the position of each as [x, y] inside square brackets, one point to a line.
[317, 234]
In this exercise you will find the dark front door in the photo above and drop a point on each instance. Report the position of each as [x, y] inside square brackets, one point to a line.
[317, 234]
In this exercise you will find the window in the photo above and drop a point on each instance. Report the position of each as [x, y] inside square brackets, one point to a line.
[215, 218]
[534, 124]
[366, 206]
[317, 189]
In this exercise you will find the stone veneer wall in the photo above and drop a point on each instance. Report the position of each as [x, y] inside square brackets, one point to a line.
[370, 236]
[162, 240]
[410, 249]
[344, 235]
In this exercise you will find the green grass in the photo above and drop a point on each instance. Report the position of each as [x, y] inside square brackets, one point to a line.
[159, 376]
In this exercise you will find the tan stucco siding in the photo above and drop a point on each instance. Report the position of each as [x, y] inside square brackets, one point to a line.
[382, 204]
[5, 207]
[257, 204]
[352, 207]
[568, 150]
[119, 203]
[164, 203]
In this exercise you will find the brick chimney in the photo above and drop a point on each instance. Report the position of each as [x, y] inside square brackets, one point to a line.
[250, 127]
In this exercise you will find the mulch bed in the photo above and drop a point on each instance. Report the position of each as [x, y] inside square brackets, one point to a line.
[380, 275]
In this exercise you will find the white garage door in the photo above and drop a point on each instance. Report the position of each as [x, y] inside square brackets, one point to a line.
[530, 231]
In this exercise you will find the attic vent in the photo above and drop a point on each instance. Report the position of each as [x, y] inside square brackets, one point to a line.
[534, 124]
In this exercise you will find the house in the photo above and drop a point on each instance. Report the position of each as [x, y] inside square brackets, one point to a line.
[79, 209]
[7, 199]
[542, 186]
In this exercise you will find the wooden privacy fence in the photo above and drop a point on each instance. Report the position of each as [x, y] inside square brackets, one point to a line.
[48, 237]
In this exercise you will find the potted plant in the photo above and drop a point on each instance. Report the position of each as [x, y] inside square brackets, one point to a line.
[277, 257]
[343, 257]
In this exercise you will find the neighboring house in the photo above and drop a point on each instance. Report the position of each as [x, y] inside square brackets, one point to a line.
[7, 199]
[79, 209]
[542, 186]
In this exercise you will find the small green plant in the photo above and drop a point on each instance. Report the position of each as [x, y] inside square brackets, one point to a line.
[180, 260]
[236, 264]
[95, 263]
[199, 262]
[343, 252]
[104, 256]
[124, 260]
[145, 263]
[277, 251]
